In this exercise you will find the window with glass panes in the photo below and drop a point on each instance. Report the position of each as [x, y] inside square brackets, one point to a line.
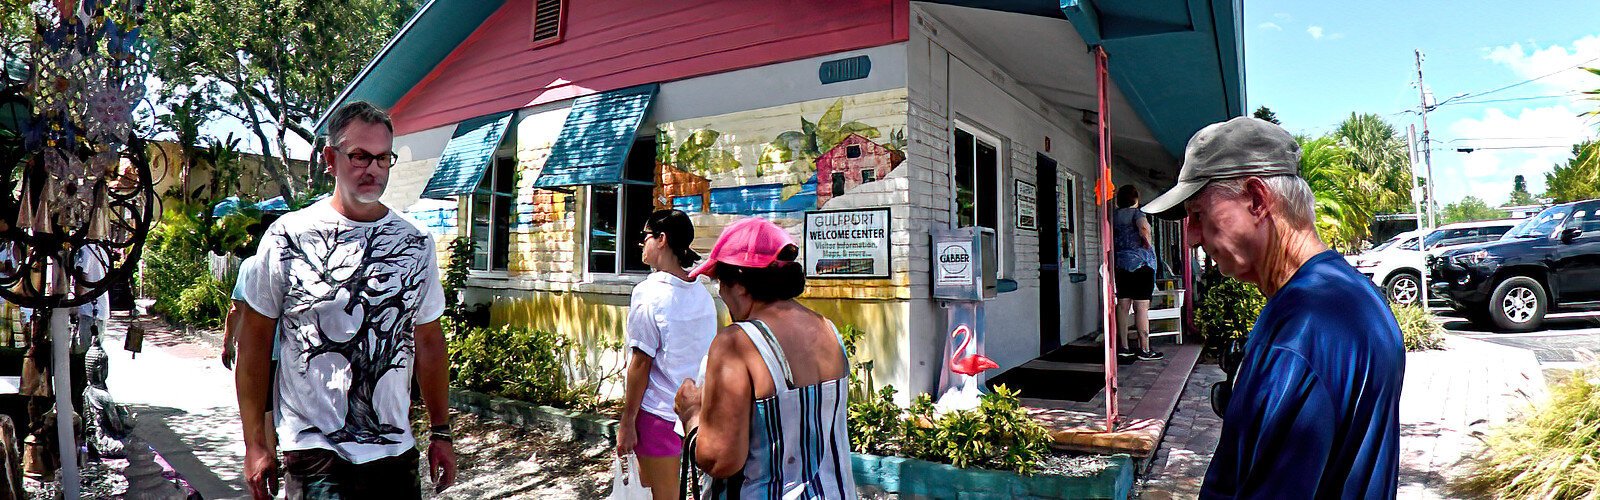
[617, 213]
[977, 181]
[490, 213]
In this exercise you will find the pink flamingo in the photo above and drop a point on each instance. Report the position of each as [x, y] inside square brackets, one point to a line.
[968, 365]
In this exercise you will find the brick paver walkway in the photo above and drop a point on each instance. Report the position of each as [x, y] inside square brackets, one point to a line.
[1180, 463]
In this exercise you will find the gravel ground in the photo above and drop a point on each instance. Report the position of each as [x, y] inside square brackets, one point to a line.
[495, 459]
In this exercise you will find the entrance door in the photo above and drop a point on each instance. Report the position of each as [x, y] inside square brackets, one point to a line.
[1049, 256]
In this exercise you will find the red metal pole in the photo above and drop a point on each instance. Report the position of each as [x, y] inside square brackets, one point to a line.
[1103, 190]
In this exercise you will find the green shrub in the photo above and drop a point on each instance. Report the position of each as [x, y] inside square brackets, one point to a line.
[999, 434]
[204, 304]
[513, 362]
[875, 423]
[177, 271]
[1418, 328]
[455, 276]
[1227, 310]
[1549, 452]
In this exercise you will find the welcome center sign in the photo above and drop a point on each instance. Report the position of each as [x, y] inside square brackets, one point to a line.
[847, 243]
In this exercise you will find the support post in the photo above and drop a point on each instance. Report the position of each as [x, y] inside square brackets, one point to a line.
[1104, 189]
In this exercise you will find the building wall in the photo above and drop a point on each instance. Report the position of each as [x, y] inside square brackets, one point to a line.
[166, 171]
[612, 44]
[952, 81]
[745, 149]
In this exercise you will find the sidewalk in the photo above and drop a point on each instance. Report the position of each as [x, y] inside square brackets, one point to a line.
[1450, 394]
[183, 401]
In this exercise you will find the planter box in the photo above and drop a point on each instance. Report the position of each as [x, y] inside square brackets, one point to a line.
[911, 478]
[565, 424]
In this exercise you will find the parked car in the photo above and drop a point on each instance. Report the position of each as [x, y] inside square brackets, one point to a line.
[1397, 265]
[1551, 263]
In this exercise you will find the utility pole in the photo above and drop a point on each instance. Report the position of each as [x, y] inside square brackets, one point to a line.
[1427, 145]
[1417, 191]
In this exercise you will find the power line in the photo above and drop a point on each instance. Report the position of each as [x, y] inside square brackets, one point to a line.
[1509, 99]
[1524, 82]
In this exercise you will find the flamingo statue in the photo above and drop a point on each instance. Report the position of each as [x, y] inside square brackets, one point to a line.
[970, 364]
[965, 394]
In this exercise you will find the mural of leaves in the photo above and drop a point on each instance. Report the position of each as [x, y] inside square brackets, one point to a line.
[696, 155]
[802, 147]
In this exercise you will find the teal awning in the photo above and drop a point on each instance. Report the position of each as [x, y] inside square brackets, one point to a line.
[467, 155]
[594, 143]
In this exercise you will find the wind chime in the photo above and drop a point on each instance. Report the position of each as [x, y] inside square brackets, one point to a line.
[74, 179]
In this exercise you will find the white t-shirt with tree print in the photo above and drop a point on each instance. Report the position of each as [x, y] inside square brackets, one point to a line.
[347, 296]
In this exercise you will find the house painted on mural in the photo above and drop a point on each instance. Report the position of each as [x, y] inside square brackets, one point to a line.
[546, 130]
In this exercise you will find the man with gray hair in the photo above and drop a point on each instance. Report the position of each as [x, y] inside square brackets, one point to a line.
[351, 289]
[1314, 411]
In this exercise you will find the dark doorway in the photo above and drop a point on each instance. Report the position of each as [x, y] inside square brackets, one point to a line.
[1049, 255]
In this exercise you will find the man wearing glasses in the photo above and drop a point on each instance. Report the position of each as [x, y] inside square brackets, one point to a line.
[352, 291]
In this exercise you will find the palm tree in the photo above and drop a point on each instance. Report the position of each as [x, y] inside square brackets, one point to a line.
[1378, 152]
[1343, 210]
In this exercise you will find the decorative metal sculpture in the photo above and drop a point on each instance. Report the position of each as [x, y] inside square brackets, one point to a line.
[74, 175]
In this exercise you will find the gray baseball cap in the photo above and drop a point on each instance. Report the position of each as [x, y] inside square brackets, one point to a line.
[1241, 147]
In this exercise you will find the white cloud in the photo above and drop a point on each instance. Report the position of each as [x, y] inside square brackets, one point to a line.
[1270, 26]
[1283, 16]
[1566, 62]
[1315, 31]
[1500, 143]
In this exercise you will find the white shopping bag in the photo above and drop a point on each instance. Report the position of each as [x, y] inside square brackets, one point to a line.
[625, 483]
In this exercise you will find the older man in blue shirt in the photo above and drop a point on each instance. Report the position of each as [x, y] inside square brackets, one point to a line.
[1315, 407]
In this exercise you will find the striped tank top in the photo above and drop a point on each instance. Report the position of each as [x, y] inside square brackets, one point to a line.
[799, 448]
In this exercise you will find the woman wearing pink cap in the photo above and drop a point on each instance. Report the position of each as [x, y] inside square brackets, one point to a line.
[770, 422]
[671, 320]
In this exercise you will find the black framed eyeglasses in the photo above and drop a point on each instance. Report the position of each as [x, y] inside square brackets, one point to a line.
[363, 159]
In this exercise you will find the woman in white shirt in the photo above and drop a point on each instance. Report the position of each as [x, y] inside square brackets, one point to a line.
[671, 321]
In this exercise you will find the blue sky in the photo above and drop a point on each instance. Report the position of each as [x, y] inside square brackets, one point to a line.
[1314, 63]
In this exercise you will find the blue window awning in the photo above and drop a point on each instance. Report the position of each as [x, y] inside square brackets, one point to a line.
[467, 155]
[594, 143]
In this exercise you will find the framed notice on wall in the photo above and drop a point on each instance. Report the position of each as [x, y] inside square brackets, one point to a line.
[1027, 206]
[847, 243]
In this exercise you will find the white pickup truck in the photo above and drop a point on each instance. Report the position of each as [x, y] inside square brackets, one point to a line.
[1397, 265]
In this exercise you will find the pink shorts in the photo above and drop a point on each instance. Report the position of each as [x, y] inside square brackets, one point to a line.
[657, 438]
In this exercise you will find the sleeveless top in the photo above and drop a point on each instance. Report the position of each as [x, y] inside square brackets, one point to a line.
[1132, 253]
[799, 447]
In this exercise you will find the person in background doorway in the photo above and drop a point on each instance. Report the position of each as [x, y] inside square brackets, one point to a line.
[1136, 273]
[230, 338]
[770, 422]
[671, 321]
[1315, 409]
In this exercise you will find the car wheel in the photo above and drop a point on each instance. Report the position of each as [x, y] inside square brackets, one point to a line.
[1518, 304]
[1404, 288]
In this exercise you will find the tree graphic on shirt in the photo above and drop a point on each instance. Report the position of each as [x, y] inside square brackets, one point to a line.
[379, 290]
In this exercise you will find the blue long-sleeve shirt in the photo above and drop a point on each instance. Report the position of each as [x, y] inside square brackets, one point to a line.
[1315, 411]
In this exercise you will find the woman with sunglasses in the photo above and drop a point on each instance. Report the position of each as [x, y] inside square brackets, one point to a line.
[671, 321]
[771, 420]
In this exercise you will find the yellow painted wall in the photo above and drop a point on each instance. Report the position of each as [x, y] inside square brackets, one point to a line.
[594, 319]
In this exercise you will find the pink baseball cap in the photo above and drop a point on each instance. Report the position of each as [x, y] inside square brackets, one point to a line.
[749, 242]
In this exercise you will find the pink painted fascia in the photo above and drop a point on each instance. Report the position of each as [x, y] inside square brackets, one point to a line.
[612, 44]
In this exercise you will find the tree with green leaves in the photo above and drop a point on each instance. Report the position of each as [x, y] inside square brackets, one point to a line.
[1579, 178]
[1469, 209]
[1378, 152]
[272, 64]
[1343, 213]
[1266, 113]
[1519, 193]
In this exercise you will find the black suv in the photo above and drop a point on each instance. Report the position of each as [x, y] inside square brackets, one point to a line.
[1547, 263]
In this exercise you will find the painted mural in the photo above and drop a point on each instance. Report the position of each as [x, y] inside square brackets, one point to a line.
[778, 162]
